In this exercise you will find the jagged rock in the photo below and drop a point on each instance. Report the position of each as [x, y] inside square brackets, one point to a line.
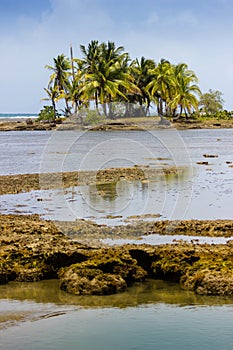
[109, 271]
[203, 163]
[208, 282]
[87, 281]
[32, 249]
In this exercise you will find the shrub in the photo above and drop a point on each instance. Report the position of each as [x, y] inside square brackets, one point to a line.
[47, 114]
[92, 117]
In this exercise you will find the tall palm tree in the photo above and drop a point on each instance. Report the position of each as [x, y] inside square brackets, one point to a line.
[104, 83]
[142, 71]
[161, 86]
[61, 73]
[111, 53]
[186, 91]
[105, 73]
[185, 97]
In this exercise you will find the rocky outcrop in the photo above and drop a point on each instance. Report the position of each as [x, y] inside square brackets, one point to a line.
[28, 182]
[32, 249]
[27, 124]
[109, 271]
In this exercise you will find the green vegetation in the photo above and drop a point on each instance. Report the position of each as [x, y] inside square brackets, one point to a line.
[47, 113]
[211, 102]
[220, 115]
[106, 83]
[92, 117]
[105, 78]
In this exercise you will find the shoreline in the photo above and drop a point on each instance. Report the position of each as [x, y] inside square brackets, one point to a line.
[147, 123]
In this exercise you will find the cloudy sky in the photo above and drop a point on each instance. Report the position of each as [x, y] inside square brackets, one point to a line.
[32, 32]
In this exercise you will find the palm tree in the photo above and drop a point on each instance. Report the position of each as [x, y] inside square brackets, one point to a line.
[161, 86]
[186, 91]
[105, 73]
[61, 72]
[111, 53]
[142, 73]
[53, 96]
[104, 84]
[185, 97]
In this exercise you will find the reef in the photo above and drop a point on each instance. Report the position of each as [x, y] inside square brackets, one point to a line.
[32, 249]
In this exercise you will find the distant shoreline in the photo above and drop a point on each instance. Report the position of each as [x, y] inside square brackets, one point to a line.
[144, 123]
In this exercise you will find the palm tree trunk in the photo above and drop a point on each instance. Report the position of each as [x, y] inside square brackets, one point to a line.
[105, 109]
[72, 61]
[75, 107]
[54, 108]
[110, 114]
[181, 110]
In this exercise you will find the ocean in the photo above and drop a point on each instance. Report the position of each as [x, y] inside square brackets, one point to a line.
[17, 115]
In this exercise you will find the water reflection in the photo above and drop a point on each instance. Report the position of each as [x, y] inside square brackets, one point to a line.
[148, 292]
[166, 195]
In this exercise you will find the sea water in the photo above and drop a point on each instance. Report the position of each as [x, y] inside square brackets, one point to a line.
[13, 116]
[150, 315]
[157, 326]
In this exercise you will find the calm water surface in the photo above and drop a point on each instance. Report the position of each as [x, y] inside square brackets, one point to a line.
[151, 315]
[158, 326]
[31, 152]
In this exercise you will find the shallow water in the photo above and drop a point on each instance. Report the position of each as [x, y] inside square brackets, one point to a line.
[148, 292]
[203, 192]
[205, 196]
[156, 239]
[149, 315]
[153, 326]
[78, 150]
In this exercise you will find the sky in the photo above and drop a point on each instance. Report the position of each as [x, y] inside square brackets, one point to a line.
[33, 32]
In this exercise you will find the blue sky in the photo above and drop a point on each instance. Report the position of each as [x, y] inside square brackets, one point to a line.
[32, 32]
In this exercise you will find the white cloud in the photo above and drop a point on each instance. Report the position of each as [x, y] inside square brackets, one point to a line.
[26, 50]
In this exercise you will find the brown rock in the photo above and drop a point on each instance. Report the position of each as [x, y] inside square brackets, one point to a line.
[91, 281]
[210, 155]
[109, 271]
